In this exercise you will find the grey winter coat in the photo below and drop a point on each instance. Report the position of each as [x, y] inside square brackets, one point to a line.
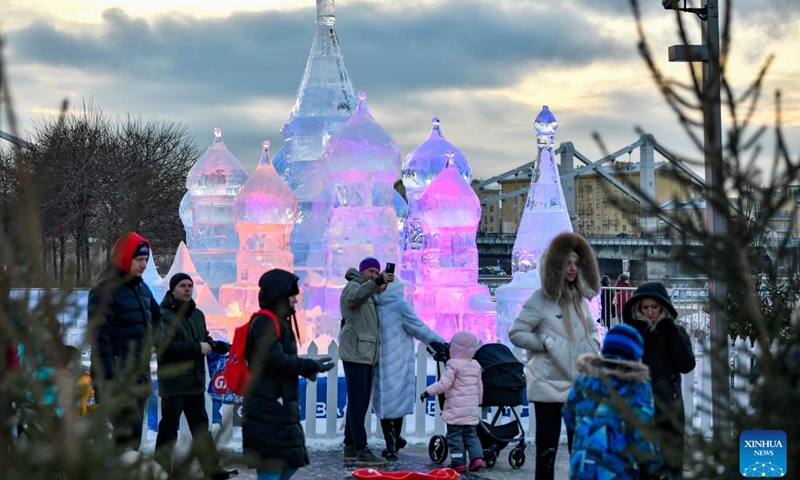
[360, 335]
[393, 388]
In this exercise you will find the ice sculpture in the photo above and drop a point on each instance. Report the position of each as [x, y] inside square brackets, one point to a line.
[401, 210]
[183, 264]
[219, 322]
[448, 297]
[186, 212]
[421, 166]
[544, 217]
[264, 210]
[152, 279]
[362, 162]
[324, 102]
[279, 161]
[213, 183]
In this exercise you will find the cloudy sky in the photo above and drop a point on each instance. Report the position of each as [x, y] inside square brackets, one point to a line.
[485, 68]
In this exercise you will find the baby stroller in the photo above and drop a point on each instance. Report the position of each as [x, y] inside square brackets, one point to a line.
[503, 386]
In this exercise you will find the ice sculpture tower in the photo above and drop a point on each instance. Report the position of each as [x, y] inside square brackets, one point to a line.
[213, 183]
[325, 101]
[448, 297]
[421, 166]
[264, 210]
[544, 217]
[362, 162]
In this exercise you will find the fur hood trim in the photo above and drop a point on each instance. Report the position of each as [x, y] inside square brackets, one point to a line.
[553, 265]
[625, 370]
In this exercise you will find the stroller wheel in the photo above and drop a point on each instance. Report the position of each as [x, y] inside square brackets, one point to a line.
[489, 457]
[437, 448]
[516, 457]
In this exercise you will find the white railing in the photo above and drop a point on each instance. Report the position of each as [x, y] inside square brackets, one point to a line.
[424, 422]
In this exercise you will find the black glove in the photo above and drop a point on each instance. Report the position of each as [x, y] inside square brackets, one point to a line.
[439, 351]
[379, 280]
[423, 396]
[324, 364]
[221, 347]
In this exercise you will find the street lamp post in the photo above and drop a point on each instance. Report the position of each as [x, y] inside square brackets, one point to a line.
[716, 200]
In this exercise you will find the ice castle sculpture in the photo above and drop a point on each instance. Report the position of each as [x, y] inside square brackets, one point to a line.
[401, 210]
[153, 280]
[213, 183]
[325, 101]
[219, 323]
[544, 217]
[264, 210]
[361, 163]
[183, 264]
[448, 297]
[186, 212]
[421, 166]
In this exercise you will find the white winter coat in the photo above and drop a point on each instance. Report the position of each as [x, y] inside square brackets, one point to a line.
[393, 387]
[551, 372]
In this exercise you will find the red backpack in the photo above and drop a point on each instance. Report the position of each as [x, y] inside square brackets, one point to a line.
[237, 372]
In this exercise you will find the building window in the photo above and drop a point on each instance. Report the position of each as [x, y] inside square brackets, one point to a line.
[597, 205]
[491, 218]
[581, 197]
[597, 217]
[491, 208]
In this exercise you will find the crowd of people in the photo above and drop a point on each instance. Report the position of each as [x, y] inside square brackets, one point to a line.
[620, 401]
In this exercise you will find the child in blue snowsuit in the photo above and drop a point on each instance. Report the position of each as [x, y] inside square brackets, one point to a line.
[609, 391]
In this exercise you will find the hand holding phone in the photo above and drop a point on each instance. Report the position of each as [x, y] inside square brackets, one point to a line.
[389, 272]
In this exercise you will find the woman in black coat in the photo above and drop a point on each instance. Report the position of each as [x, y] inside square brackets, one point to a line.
[272, 437]
[668, 353]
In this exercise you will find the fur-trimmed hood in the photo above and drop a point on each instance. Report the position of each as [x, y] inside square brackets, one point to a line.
[625, 370]
[553, 265]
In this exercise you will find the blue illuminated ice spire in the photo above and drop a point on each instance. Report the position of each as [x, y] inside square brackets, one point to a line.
[325, 101]
[544, 217]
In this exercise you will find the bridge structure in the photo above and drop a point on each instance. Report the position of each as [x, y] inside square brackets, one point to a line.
[651, 255]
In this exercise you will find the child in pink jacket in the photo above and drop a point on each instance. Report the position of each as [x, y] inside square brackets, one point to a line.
[463, 390]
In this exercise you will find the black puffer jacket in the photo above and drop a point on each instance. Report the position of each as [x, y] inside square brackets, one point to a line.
[181, 365]
[131, 322]
[272, 436]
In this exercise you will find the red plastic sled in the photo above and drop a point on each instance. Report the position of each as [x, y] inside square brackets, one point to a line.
[435, 474]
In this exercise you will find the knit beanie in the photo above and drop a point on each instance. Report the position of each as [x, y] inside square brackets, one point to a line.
[623, 342]
[143, 248]
[369, 262]
[178, 278]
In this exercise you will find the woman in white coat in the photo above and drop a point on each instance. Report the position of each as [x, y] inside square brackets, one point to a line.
[555, 326]
[393, 386]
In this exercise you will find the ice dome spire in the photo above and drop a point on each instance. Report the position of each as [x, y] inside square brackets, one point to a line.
[265, 198]
[545, 215]
[449, 200]
[324, 102]
[216, 172]
[421, 166]
[363, 146]
[426, 161]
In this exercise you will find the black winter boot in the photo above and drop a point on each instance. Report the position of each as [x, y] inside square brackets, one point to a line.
[390, 452]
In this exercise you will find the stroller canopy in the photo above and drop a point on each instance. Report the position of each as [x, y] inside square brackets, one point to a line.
[503, 375]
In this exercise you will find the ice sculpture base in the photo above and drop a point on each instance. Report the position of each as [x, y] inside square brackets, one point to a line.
[510, 298]
[446, 310]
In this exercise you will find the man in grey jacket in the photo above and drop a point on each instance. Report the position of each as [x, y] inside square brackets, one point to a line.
[358, 349]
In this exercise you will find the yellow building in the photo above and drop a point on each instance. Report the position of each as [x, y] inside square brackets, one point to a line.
[599, 207]
[603, 209]
[490, 212]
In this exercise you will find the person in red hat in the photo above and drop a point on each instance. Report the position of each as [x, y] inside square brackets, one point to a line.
[125, 323]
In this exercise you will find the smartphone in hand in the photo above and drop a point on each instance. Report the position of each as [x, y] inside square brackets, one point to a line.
[390, 267]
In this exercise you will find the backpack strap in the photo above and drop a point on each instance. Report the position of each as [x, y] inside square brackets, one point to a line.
[272, 316]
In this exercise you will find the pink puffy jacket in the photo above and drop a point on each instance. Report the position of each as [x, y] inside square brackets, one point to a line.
[461, 382]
